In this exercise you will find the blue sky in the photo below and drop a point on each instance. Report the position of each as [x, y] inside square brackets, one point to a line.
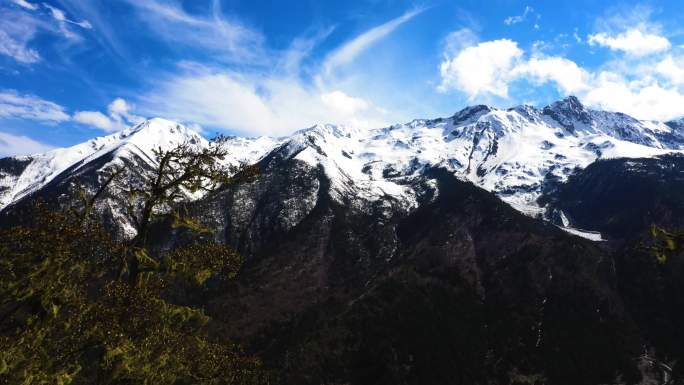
[75, 69]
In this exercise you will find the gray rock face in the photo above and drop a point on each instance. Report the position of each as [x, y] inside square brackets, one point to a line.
[319, 271]
[246, 215]
[10, 170]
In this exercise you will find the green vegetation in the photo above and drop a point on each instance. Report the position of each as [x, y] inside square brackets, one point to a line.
[77, 307]
[665, 243]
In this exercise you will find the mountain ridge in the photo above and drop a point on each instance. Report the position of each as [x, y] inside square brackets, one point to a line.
[514, 153]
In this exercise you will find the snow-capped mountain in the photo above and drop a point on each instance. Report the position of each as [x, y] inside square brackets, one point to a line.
[514, 153]
[346, 228]
[509, 152]
[21, 176]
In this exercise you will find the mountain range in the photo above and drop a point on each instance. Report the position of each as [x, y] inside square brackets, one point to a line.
[492, 246]
[518, 153]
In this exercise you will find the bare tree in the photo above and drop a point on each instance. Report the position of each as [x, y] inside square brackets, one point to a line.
[179, 171]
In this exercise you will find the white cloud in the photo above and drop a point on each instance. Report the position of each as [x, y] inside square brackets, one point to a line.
[17, 49]
[61, 17]
[349, 51]
[119, 117]
[256, 104]
[344, 103]
[17, 30]
[11, 145]
[567, 75]
[25, 4]
[519, 18]
[482, 69]
[632, 42]
[118, 107]
[672, 69]
[644, 87]
[14, 105]
[489, 67]
[120, 111]
[644, 101]
[273, 102]
[56, 13]
[96, 119]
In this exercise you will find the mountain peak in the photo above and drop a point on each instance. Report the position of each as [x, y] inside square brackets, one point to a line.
[159, 125]
[570, 103]
[158, 132]
[471, 113]
[333, 130]
[568, 112]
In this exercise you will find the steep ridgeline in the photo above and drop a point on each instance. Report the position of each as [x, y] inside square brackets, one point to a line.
[509, 152]
[515, 153]
[59, 174]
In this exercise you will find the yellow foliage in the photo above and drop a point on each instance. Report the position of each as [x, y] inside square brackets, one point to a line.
[666, 244]
[72, 318]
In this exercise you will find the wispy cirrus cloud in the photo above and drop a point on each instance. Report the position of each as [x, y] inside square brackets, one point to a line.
[273, 102]
[17, 30]
[300, 49]
[232, 40]
[353, 48]
[245, 85]
[519, 18]
[19, 26]
[105, 33]
[25, 4]
[61, 17]
[17, 48]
